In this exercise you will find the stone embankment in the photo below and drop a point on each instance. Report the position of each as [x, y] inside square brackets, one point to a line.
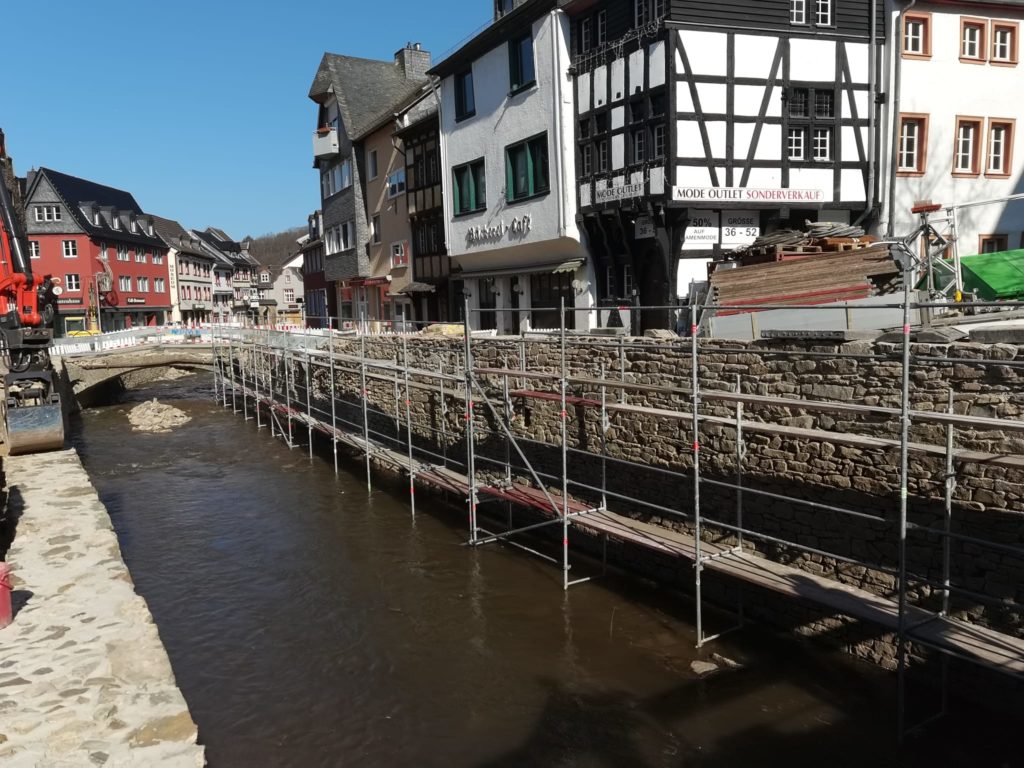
[84, 677]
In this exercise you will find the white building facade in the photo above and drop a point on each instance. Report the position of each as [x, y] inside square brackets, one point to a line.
[954, 132]
[508, 158]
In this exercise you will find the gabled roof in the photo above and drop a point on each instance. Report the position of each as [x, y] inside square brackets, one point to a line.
[177, 237]
[220, 244]
[76, 192]
[366, 89]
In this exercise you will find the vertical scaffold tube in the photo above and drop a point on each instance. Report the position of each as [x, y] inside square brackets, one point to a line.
[698, 564]
[565, 451]
[365, 393]
[256, 379]
[334, 407]
[408, 424]
[309, 386]
[470, 447]
[901, 634]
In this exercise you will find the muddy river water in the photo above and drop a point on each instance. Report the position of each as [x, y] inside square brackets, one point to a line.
[310, 623]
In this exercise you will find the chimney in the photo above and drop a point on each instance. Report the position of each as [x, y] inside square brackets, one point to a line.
[413, 60]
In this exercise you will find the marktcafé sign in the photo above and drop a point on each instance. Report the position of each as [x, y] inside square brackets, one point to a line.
[747, 195]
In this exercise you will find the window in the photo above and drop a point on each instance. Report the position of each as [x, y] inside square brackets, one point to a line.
[371, 164]
[602, 156]
[640, 12]
[143, 284]
[526, 168]
[375, 228]
[501, 7]
[1004, 43]
[465, 99]
[70, 248]
[917, 35]
[602, 27]
[124, 283]
[470, 187]
[399, 257]
[158, 284]
[659, 9]
[659, 142]
[47, 213]
[158, 257]
[992, 243]
[1000, 146]
[122, 253]
[639, 145]
[824, 104]
[795, 144]
[822, 146]
[913, 144]
[797, 11]
[396, 183]
[586, 26]
[823, 13]
[104, 251]
[966, 150]
[348, 235]
[520, 63]
[140, 256]
[72, 282]
[344, 171]
[115, 221]
[33, 249]
[289, 295]
[131, 225]
[265, 278]
[972, 40]
[798, 102]
[586, 160]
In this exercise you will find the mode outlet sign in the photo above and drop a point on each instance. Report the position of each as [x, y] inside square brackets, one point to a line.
[728, 229]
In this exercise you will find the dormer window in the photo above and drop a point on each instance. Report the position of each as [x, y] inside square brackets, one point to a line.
[501, 7]
[131, 225]
[115, 221]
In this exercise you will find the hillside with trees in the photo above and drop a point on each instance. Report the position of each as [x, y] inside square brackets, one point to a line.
[276, 247]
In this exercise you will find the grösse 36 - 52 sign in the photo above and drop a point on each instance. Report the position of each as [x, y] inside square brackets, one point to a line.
[747, 195]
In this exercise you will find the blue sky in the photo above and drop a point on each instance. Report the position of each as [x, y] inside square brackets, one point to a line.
[197, 107]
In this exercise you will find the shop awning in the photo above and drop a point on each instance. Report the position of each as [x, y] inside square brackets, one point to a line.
[552, 267]
[414, 287]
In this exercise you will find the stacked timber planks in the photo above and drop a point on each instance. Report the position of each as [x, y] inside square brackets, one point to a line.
[818, 278]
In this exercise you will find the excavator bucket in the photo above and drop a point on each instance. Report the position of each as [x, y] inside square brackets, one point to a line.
[35, 428]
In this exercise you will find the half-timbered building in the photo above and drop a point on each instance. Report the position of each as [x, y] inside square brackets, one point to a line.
[700, 125]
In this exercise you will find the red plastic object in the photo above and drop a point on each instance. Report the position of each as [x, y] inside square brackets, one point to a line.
[5, 595]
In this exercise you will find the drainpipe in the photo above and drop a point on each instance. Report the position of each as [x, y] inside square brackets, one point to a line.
[871, 199]
[897, 38]
[556, 112]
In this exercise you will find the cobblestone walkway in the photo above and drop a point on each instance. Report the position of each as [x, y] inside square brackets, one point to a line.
[84, 678]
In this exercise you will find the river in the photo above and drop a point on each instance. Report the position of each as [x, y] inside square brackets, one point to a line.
[310, 623]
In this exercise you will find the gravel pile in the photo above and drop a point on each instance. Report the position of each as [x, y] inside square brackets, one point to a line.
[153, 416]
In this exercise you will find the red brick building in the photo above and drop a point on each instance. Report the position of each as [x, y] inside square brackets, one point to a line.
[103, 249]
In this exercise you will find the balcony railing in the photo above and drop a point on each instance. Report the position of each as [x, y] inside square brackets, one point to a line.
[325, 143]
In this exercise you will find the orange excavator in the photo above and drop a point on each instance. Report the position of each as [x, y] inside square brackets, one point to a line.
[33, 417]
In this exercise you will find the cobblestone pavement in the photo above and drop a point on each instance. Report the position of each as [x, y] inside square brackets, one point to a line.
[84, 678]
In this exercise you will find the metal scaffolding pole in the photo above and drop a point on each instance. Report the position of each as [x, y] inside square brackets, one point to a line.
[271, 364]
[470, 428]
[241, 368]
[901, 577]
[444, 417]
[698, 564]
[366, 394]
[562, 381]
[256, 380]
[234, 386]
[309, 386]
[288, 391]
[334, 406]
[408, 425]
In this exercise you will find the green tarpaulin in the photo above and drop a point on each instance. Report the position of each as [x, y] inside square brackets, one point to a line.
[994, 276]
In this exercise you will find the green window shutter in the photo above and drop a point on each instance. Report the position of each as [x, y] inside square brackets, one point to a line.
[510, 177]
[457, 197]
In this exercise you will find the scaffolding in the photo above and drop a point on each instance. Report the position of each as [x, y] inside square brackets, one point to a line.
[280, 375]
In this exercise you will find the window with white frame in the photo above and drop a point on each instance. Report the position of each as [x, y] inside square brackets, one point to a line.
[289, 295]
[115, 221]
[601, 28]
[917, 35]
[396, 183]
[72, 282]
[641, 12]
[585, 39]
[158, 285]
[795, 144]
[158, 257]
[658, 150]
[47, 213]
[823, 13]
[375, 228]
[124, 283]
[399, 257]
[104, 251]
[1000, 138]
[69, 248]
[1004, 42]
[143, 284]
[797, 11]
[344, 170]
[33, 249]
[965, 154]
[913, 142]
[822, 144]
[602, 156]
[639, 145]
[972, 39]
[122, 253]
[587, 159]
[659, 9]
[140, 256]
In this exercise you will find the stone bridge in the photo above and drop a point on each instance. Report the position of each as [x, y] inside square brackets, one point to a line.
[83, 376]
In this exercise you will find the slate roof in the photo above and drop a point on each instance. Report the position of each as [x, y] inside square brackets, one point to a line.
[366, 89]
[75, 191]
[221, 244]
[177, 237]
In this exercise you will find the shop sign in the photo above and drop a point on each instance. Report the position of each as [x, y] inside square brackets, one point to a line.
[517, 228]
[728, 229]
[747, 195]
[135, 300]
[644, 228]
[619, 193]
[69, 301]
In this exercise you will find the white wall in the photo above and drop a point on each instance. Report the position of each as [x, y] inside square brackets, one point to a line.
[944, 87]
